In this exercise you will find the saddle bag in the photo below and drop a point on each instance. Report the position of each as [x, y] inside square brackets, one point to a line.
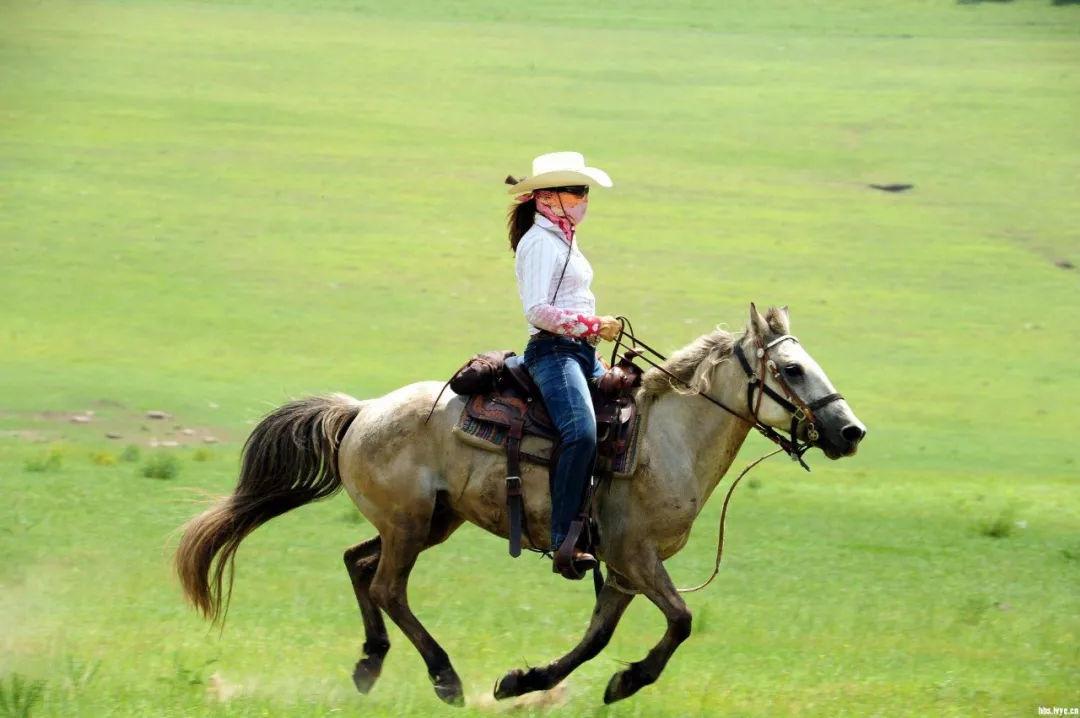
[481, 374]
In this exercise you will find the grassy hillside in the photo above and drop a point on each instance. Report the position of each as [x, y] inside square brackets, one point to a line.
[209, 208]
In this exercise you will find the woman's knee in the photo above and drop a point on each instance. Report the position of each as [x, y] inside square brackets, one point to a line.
[579, 433]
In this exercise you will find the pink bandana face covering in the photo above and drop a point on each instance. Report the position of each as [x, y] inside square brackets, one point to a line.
[563, 209]
[576, 214]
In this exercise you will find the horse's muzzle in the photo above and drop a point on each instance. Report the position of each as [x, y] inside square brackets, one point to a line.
[845, 442]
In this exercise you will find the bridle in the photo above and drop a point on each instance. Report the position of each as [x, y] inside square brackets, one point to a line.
[802, 412]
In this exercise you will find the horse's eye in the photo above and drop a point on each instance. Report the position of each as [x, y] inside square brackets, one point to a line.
[793, 371]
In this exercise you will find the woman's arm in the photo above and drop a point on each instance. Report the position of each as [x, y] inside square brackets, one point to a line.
[562, 321]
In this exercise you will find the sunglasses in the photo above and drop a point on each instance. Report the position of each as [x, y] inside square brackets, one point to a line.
[578, 190]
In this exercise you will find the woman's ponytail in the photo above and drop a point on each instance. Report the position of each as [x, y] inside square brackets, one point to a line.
[520, 217]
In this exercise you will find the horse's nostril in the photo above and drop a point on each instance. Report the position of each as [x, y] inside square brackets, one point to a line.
[853, 432]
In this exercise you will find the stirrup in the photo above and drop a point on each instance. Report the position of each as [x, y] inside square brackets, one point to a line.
[577, 568]
[565, 562]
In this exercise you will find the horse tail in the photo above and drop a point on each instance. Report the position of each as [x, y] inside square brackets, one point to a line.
[290, 459]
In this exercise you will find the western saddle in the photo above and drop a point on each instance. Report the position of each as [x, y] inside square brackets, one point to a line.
[511, 408]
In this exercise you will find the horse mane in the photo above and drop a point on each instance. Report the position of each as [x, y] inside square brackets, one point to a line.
[692, 363]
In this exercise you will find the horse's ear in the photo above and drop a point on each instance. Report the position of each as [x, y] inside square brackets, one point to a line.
[777, 317]
[758, 325]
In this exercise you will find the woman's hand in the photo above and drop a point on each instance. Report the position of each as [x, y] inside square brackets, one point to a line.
[609, 328]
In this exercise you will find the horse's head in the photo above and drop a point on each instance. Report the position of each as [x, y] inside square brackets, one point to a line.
[799, 395]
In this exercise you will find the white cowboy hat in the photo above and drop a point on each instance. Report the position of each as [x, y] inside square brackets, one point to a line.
[561, 169]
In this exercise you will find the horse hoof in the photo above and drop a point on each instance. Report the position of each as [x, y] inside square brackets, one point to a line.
[365, 674]
[510, 685]
[622, 685]
[518, 682]
[448, 688]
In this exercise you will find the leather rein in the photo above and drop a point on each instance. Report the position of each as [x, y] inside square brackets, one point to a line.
[802, 413]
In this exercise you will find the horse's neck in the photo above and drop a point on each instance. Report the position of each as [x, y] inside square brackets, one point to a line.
[709, 437]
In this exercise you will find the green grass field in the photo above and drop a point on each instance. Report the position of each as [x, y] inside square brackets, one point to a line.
[209, 208]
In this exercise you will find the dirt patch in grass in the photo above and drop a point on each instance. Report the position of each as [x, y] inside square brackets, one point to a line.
[29, 435]
[111, 420]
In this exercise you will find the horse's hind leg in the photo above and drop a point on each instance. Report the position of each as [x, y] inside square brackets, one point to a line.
[661, 591]
[610, 605]
[401, 545]
[361, 561]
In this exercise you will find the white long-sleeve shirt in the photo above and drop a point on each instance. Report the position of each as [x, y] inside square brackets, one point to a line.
[541, 254]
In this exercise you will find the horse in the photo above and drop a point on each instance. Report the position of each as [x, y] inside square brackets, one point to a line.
[416, 484]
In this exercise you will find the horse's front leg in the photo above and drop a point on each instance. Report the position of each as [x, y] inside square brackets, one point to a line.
[657, 586]
[610, 605]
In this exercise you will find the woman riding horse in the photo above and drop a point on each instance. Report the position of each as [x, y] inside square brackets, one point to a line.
[416, 483]
[553, 278]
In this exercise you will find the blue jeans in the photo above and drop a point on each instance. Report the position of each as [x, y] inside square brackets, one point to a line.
[560, 366]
